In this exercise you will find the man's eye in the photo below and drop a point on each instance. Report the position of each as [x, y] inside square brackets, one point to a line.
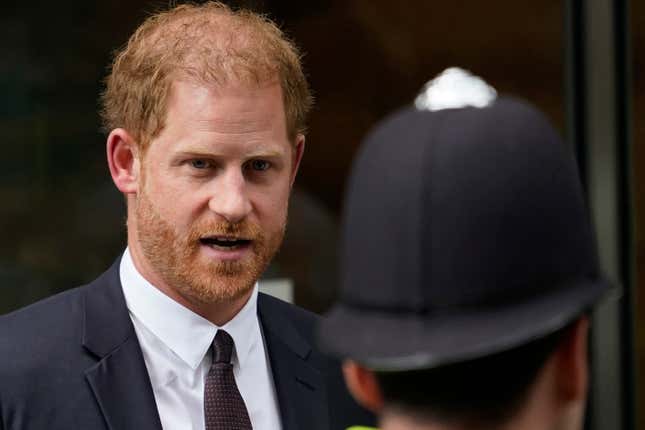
[260, 165]
[200, 164]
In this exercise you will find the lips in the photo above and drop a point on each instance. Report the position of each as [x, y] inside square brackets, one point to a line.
[225, 242]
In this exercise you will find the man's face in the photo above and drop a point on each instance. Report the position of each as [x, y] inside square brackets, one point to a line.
[211, 207]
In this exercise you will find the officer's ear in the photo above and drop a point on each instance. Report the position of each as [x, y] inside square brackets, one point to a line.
[572, 362]
[363, 385]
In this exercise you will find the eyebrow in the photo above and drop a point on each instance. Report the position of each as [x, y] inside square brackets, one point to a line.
[269, 153]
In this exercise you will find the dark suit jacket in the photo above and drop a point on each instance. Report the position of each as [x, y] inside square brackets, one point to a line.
[73, 361]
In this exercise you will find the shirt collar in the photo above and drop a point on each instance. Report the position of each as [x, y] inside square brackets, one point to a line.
[184, 332]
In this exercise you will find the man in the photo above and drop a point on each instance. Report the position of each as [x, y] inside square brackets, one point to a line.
[469, 268]
[205, 109]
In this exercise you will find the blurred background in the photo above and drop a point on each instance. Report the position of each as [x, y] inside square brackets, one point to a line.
[581, 62]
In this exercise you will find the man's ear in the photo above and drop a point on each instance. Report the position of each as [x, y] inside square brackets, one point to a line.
[299, 150]
[362, 384]
[123, 160]
[573, 363]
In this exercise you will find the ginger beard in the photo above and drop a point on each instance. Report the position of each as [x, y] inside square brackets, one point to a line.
[176, 256]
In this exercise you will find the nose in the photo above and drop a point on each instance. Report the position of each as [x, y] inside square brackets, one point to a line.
[230, 198]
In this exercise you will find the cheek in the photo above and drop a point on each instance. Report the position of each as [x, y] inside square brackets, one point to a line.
[177, 208]
[173, 200]
[185, 211]
[271, 207]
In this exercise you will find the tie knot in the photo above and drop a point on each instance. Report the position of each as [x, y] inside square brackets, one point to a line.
[222, 347]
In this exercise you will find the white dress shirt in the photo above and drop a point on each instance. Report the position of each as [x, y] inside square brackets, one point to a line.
[175, 342]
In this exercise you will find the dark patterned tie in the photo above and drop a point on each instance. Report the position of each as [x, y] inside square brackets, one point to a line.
[224, 407]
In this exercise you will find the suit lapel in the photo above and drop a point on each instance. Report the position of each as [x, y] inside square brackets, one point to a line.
[119, 380]
[299, 387]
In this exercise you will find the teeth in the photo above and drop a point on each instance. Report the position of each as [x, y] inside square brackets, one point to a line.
[224, 242]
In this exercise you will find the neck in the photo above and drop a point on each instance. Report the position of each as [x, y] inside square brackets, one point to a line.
[399, 422]
[218, 313]
[542, 411]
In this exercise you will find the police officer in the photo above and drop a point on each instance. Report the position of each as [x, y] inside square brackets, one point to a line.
[468, 267]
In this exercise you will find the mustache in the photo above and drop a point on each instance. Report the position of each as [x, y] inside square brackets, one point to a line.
[243, 229]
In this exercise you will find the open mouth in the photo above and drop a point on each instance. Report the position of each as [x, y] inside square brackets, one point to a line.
[225, 242]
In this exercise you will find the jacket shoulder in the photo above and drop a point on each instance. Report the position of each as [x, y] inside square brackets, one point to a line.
[294, 312]
[52, 321]
[343, 409]
[43, 317]
[42, 364]
[39, 345]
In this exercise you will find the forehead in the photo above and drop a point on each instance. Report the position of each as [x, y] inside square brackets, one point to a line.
[232, 107]
[233, 119]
